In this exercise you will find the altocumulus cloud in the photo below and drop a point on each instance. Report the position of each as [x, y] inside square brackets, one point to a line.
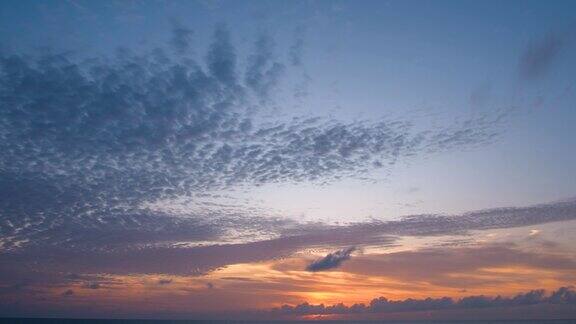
[563, 295]
[87, 143]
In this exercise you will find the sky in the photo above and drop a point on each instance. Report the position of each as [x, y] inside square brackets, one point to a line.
[288, 159]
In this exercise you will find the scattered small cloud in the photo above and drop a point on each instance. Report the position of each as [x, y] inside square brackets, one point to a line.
[563, 295]
[68, 293]
[15, 287]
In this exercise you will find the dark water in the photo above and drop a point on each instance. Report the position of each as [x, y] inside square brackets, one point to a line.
[96, 321]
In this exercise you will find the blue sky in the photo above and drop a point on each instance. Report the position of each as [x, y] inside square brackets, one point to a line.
[178, 128]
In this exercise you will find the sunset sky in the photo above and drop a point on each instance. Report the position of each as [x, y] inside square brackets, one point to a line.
[272, 159]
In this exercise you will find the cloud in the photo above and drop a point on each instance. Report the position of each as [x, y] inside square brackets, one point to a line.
[539, 55]
[88, 144]
[181, 39]
[430, 225]
[221, 58]
[68, 293]
[296, 52]
[563, 295]
[480, 96]
[534, 232]
[291, 238]
[14, 288]
[164, 282]
[92, 285]
[331, 261]
[412, 190]
[462, 267]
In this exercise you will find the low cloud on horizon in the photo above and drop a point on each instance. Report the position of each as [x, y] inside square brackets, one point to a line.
[561, 296]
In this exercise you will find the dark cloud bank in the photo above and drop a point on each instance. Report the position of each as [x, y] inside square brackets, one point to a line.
[563, 296]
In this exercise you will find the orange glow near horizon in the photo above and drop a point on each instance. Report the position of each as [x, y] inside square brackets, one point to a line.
[264, 285]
